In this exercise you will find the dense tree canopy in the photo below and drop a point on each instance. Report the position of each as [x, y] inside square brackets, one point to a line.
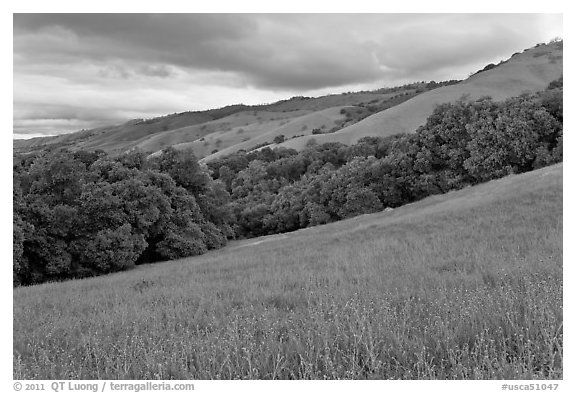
[76, 216]
[461, 144]
[79, 214]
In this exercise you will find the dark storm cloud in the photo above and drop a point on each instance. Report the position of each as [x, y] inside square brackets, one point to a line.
[178, 39]
[107, 58]
[267, 51]
[280, 51]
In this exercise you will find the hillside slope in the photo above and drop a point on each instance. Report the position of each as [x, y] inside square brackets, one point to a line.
[118, 137]
[221, 133]
[530, 71]
[229, 129]
[303, 125]
[149, 134]
[465, 285]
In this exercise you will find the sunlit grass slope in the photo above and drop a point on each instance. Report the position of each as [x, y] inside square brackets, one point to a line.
[529, 71]
[184, 128]
[462, 285]
[221, 133]
[116, 138]
[303, 125]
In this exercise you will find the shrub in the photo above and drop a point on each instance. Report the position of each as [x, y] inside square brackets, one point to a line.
[176, 246]
[311, 142]
[110, 250]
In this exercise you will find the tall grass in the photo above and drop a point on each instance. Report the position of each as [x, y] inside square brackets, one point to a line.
[466, 285]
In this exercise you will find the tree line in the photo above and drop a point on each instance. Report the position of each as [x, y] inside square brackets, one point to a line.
[461, 144]
[80, 214]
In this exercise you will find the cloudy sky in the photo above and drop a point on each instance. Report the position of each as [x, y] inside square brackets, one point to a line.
[75, 71]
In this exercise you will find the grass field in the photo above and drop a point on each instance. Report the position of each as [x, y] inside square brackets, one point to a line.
[466, 285]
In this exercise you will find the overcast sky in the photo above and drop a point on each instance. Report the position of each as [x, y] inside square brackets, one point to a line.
[75, 71]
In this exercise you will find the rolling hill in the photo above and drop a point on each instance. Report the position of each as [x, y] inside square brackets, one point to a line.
[157, 133]
[530, 71]
[302, 125]
[465, 285]
[217, 132]
[116, 138]
[221, 133]
[461, 285]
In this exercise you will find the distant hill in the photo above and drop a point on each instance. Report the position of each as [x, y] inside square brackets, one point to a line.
[302, 125]
[119, 137]
[222, 133]
[293, 123]
[153, 134]
[530, 71]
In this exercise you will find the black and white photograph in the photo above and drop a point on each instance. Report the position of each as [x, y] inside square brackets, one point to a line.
[305, 196]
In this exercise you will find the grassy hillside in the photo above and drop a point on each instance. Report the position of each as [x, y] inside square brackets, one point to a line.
[302, 125]
[530, 71]
[149, 134]
[317, 122]
[221, 129]
[463, 285]
[221, 133]
[119, 137]
[260, 124]
[332, 100]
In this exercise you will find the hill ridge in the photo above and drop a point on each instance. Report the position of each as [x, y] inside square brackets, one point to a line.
[394, 110]
[529, 71]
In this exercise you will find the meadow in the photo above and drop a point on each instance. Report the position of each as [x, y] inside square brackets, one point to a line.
[465, 285]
